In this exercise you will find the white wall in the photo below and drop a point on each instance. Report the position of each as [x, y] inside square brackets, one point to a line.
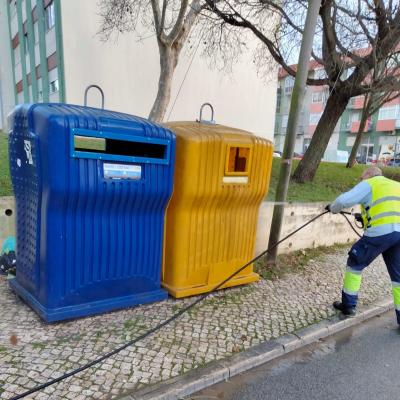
[330, 229]
[127, 71]
[6, 78]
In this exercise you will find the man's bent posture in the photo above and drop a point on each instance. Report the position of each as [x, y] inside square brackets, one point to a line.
[380, 205]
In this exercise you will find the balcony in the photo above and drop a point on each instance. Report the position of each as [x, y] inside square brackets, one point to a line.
[386, 125]
[355, 126]
[356, 103]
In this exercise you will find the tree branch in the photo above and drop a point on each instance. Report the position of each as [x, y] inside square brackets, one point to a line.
[237, 20]
[195, 9]
[329, 40]
[164, 11]
[156, 15]
[178, 23]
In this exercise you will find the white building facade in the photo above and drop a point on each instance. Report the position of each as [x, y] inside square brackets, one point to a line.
[55, 52]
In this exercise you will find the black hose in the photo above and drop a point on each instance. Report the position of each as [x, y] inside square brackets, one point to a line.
[349, 222]
[169, 320]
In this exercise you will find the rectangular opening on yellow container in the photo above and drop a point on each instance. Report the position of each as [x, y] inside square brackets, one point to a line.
[238, 160]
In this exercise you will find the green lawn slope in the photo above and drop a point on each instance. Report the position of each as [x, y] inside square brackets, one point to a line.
[331, 179]
[5, 183]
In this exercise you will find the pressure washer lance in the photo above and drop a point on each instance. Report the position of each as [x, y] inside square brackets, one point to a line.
[176, 315]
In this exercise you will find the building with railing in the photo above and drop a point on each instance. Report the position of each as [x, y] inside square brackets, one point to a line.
[314, 104]
[381, 138]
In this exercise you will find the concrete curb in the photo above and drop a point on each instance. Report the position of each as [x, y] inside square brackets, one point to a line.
[199, 379]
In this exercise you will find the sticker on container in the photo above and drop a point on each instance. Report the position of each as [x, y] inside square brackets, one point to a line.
[28, 151]
[122, 171]
[236, 179]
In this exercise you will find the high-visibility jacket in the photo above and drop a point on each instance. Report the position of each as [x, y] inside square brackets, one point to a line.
[384, 207]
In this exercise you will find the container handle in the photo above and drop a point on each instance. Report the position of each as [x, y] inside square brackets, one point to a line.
[201, 120]
[99, 89]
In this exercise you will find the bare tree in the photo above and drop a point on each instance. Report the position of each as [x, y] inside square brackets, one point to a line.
[352, 37]
[171, 21]
[374, 100]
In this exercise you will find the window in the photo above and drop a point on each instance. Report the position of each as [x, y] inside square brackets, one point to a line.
[17, 55]
[13, 7]
[284, 121]
[347, 123]
[36, 32]
[278, 100]
[355, 116]
[314, 118]
[317, 97]
[54, 86]
[389, 112]
[26, 45]
[289, 82]
[50, 16]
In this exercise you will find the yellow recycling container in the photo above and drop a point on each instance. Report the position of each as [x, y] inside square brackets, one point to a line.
[221, 177]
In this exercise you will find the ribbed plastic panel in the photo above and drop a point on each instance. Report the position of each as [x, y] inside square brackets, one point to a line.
[216, 212]
[26, 189]
[98, 243]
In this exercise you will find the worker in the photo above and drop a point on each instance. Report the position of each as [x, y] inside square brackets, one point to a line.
[379, 198]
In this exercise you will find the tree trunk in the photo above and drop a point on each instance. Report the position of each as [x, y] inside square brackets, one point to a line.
[168, 62]
[334, 108]
[364, 117]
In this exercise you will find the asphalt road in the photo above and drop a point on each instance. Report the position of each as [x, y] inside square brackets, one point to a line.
[360, 363]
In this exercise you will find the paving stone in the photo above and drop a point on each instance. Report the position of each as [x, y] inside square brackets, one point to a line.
[228, 322]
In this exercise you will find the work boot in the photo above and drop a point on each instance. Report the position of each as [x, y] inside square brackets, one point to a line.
[345, 310]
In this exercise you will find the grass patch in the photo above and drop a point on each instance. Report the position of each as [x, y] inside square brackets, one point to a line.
[5, 181]
[294, 262]
[330, 181]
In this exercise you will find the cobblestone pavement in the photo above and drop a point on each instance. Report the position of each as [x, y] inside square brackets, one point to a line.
[229, 321]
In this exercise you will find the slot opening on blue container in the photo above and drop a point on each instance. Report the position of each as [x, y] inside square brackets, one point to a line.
[118, 147]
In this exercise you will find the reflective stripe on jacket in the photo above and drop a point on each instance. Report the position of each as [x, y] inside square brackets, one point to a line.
[384, 207]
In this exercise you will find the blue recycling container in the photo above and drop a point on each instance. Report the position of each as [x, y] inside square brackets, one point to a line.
[91, 189]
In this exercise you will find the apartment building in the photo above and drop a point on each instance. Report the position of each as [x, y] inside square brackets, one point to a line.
[381, 139]
[55, 51]
[7, 100]
[314, 104]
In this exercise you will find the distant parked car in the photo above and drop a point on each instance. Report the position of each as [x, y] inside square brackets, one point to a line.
[278, 154]
[360, 160]
[298, 156]
[394, 162]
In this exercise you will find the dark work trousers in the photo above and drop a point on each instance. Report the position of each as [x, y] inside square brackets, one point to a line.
[361, 255]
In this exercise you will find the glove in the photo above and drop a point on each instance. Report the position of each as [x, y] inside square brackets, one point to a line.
[328, 208]
[358, 217]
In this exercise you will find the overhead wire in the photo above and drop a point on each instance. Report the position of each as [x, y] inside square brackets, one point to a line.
[185, 76]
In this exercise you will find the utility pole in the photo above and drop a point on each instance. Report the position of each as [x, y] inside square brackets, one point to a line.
[294, 113]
